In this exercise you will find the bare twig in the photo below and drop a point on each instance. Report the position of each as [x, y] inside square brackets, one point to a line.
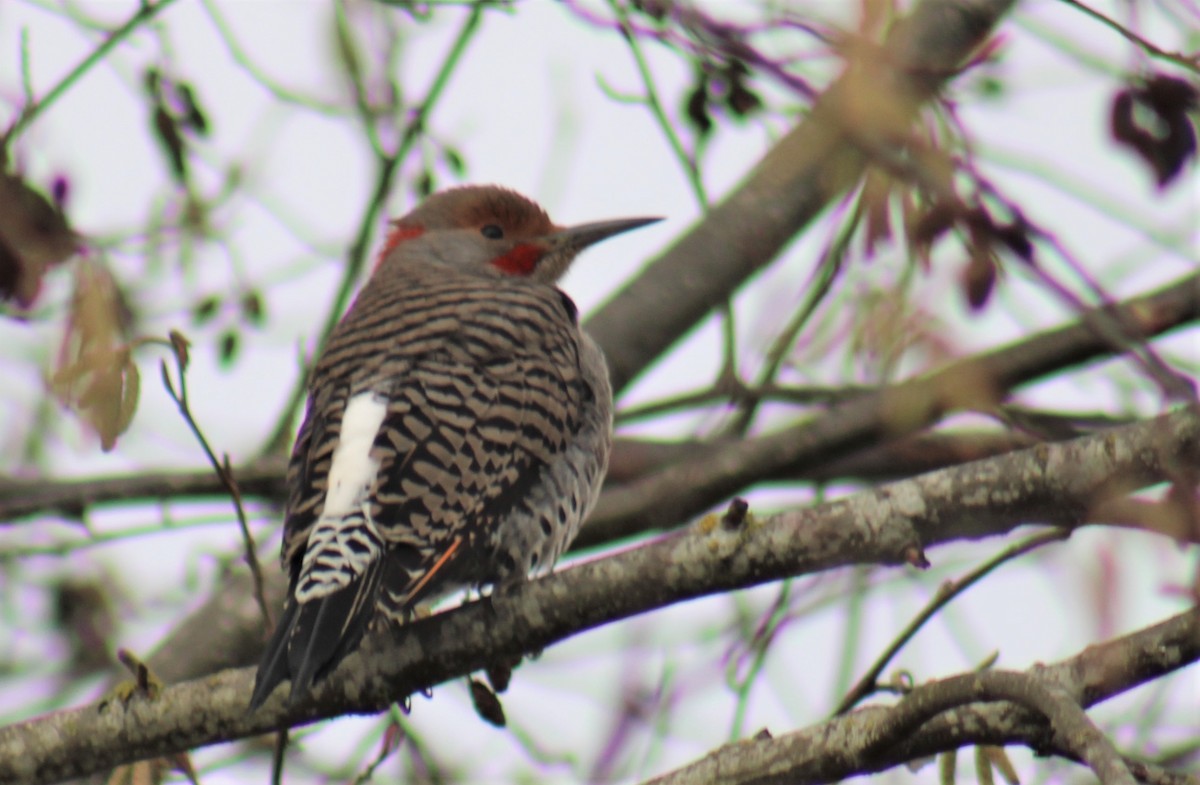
[1191, 62]
[687, 161]
[732, 391]
[146, 11]
[221, 467]
[239, 55]
[945, 593]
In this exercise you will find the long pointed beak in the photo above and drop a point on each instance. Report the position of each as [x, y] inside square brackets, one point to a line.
[576, 238]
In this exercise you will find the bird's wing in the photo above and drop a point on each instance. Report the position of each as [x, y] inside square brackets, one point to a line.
[397, 486]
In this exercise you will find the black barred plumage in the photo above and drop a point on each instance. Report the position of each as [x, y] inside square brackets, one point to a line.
[457, 429]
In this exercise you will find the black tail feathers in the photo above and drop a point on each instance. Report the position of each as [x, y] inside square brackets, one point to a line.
[312, 638]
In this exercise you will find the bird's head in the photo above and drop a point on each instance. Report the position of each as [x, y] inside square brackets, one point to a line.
[492, 231]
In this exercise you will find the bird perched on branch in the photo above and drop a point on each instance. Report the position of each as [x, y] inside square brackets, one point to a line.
[457, 430]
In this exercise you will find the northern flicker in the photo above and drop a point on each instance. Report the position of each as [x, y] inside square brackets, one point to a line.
[457, 429]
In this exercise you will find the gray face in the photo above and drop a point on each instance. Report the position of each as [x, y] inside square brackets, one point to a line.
[494, 232]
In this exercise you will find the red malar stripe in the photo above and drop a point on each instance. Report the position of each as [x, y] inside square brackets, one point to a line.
[398, 235]
[521, 260]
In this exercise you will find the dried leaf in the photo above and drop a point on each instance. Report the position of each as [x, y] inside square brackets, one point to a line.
[1001, 763]
[204, 311]
[166, 130]
[874, 200]
[33, 237]
[129, 395]
[227, 346]
[1152, 119]
[983, 768]
[947, 764]
[60, 190]
[499, 673]
[929, 226]
[487, 705]
[193, 117]
[979, 278]
[454, 162]
[424, 184]
[741, 100]
[252, 308]
[696, 106]
[180, 345]
[1015, 237]
[95, 374]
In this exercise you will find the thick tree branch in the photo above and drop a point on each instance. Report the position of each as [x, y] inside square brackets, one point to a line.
[227, 616]
[792, 184]
[850, 744]
[977, 382]
[799, 454]
[889, 525]
[807, 452]
[21, 498]
[632, 459]
[1068, 723]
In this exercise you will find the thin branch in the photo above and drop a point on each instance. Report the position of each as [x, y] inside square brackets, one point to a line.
[945, 593]
[686, 160]
[242, 58]
[1191, 62]
[222, 468]
[689, 161]
[710, 36]
[732, 391]
[146, 11]
[829, 267]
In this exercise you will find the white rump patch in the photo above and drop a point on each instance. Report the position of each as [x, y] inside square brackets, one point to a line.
[353, 469]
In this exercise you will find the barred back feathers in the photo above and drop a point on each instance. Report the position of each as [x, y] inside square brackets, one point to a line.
[457, 430]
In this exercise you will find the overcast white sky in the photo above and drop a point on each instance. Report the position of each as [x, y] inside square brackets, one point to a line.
[526, 110]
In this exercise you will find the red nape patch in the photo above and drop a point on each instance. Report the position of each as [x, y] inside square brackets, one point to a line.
[522, 260]
[398, 235]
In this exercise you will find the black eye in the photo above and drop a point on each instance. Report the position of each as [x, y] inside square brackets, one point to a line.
[492, 232]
